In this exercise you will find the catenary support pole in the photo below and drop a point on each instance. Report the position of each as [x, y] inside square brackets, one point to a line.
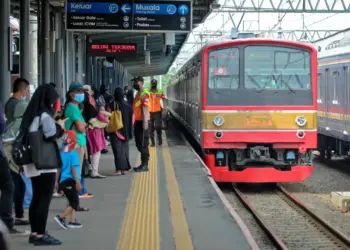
[33, 43]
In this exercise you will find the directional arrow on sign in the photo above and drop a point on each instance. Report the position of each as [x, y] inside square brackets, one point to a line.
[126, 8]
[183, 10]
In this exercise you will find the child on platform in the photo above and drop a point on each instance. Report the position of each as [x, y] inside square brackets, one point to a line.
[69, 180]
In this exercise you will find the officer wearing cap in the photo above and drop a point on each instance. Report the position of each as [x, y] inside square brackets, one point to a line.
[142, 117]
[156, 98]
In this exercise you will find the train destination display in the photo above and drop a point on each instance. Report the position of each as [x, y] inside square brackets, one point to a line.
[112, 49]
[129, 15]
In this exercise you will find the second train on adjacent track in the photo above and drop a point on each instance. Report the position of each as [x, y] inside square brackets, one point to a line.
[251, 104]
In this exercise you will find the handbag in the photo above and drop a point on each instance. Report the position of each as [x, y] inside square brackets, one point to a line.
[116, 121]
[21, 153]
[86, 170]
[45, 153]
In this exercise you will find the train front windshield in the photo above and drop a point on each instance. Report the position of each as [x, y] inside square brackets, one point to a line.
[259, 75]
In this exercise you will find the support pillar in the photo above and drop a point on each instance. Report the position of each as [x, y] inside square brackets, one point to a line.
[94, 72]
[5, 79]
[24, 44]
[45, 42]
[59, 53]
[80, 52]
[34, 81]
[70, 57]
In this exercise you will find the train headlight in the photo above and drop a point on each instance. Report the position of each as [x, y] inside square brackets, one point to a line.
[218, 121]
[300, 121]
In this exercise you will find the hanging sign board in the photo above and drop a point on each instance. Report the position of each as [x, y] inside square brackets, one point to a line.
[112, 49]
[129, 16]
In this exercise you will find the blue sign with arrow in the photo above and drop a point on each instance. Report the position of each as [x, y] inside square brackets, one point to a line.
[126, 8]
[129, 15]
[183, 9]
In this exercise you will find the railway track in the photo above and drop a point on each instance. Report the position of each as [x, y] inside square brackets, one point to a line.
[289, 223]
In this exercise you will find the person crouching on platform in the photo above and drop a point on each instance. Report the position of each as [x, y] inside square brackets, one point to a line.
[69, 180]
[142, 117]
[156, 112]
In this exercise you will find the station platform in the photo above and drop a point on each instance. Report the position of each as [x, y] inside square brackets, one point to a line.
[173, 206]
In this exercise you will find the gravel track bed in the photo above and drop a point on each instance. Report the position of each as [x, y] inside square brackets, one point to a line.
[260, 237]
[315, 191]
[289, 222]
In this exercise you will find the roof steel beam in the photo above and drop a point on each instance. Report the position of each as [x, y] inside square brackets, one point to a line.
[291, 6]
[295, 35]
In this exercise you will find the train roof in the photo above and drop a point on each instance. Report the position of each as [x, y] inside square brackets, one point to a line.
[336, 48]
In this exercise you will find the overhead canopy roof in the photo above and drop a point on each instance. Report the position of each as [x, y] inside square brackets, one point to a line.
[160, 63]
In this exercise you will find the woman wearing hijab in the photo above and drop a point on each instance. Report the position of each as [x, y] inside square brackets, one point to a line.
[130, 97]
[120, 139]
[95, 136]
[40, 112]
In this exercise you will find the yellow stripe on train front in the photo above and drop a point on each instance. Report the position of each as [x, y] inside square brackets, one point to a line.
[269, 120]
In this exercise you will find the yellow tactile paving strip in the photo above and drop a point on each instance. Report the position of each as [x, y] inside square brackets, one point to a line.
[181, 233]
[140, 229]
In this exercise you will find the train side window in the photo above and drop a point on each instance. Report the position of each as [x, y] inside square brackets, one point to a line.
[320, 86]
[335, 75]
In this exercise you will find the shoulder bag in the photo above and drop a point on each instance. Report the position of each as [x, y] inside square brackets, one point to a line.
[45, 153]
[116, 121]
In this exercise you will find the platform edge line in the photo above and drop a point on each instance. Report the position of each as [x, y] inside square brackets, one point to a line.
[246, 232]
[181, 233]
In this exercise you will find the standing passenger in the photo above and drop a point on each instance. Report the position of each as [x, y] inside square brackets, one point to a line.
[76, 122]
[142, 117]
[156, 96]
[120, 139]
[39, 113]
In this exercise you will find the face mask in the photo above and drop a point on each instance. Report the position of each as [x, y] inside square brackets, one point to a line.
[79, 98]
[136, 87]
[23, 99]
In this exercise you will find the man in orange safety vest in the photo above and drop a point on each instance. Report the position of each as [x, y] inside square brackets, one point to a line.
[156, 98]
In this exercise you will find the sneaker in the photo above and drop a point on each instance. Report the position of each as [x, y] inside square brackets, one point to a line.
[15, 231]
[98, 176]
[21, 222]
[32, 238]
[86, 196]
[61, 222]
[75, 225]
[46, 240]
[56, 195]
[143, 168]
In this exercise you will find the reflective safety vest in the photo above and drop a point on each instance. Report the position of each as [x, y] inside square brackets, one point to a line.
[155, 98]
[139, 103]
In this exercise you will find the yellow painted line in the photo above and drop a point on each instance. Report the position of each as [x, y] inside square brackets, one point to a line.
[140, 229]
[182, 236]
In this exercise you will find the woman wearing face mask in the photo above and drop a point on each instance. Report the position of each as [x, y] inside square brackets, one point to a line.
[76, 96]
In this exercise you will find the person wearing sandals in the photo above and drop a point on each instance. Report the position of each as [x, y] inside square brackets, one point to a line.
[120, 139]
[95, 134]
[69, 180]
[76, 96]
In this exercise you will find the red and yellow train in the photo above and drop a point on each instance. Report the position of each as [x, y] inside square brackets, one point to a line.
[251, 104]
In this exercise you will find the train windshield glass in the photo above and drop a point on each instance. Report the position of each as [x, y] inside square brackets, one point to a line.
[276, 68]
[224, 69]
